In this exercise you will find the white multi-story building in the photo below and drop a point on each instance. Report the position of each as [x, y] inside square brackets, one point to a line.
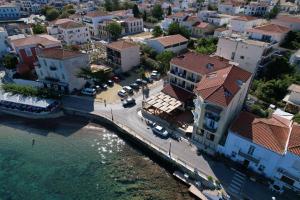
[69, 31]
[175, 43]
[231, 7]
[242, 23]
[92, 20]
[58, 69]
[255, 8]
[176, 17]
[249, 54]
[213, 17]
[292, 99]
[220, 97]
[270, 147]
[123, 55]
[3, 42]
[9, 11]
[268, 33]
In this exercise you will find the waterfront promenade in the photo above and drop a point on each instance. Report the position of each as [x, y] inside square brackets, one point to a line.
[183, 151]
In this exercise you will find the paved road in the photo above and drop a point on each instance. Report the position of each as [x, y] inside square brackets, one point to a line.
[183, 150]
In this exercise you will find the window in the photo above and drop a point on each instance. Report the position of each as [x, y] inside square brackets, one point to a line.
[28, 52]
[261, 168]
[251, 150]
[210, 136]
[233, 154]
[287, 180]
[241, 57]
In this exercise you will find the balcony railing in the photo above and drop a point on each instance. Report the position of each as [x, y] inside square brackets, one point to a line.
[212, 116]
[288, 174]
[209, 128]
[249, 157]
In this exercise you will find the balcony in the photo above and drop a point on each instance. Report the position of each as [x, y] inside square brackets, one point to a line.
[212, 116]
[193, 79]
[210, 128]
[210, 125]
[248, 157]
[179, 74]
[288, 174]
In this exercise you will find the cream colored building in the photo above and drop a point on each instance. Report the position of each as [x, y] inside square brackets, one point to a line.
[123, 55]
[220, 97]
[69, 31]
[58, 69]
[248, 54]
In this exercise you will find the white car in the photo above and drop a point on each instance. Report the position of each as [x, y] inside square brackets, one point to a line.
[159, 130]
[128, 89]
[89, 91]
[155, 74]
[122, 93]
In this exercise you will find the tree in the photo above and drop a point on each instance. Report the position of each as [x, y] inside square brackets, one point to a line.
[291, 40]
[296, 118]
[169, 10]
[10, 61]
[206, 45]
[148, 51]
[273, 13]
[114, 30]
[157, 12]
[277, 68]
[127, 5]
[108, 5]
[116, 4]
[175, 28]
[52, 14]
[164, 58]
[38, 29]
[157, 31]
[136, 11]
[145, 17]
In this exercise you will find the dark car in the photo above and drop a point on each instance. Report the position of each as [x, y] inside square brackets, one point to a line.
[110, 83]
[129, 102]
[175, 137]
[148, 79]
[134, 86]
[144, 82]
[104, 86]
[139, 81]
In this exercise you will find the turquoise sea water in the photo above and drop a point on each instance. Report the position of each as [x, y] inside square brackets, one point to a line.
[72, 159]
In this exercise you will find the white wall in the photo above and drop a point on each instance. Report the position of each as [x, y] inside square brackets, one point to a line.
[130, 58]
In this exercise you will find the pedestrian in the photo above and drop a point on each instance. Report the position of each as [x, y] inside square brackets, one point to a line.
[33, 142]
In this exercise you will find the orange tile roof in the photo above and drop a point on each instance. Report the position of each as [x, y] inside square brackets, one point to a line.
[59, 54]
[171, 39]
[71, 25]
[222, 85]
[287, 18]
[96, 14]
[201, 25]
[44, 40]
[177, 93]
[294, 142]
[245, 18]
[269, 29]
[272, 133]
[198, 63]
[121, 44]
[233, 3]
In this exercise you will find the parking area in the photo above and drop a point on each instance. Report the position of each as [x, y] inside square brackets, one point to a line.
[110, 95]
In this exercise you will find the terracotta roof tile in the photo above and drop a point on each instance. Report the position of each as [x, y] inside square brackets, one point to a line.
[269, 29]
[59, 54]
[287, 18]
[121, 44]
[96, 14]
[71, 25]
[294, 142]
[199, 62]
[222, 85]
[171, 39]
[245, 18]
[177, 93]
[270, 133]
[44, 40]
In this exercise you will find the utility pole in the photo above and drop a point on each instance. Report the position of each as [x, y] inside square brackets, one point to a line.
[170, 148]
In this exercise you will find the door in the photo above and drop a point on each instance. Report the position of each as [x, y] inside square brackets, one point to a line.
[246, 163]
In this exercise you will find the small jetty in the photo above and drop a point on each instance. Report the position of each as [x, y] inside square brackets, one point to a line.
[193, 189]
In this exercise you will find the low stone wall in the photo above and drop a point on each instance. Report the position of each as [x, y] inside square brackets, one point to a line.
[173, 162]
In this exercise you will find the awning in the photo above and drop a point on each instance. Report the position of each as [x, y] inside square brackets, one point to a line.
[163, 102]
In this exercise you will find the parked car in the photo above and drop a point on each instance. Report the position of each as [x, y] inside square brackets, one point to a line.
[134, 86]
[110, 83]
[175, 137]
[129, 102]
[97, 87]
[88, 91]
[104, 86]
[144, 82]
[128, 89]
[148, 79]
[122, 93]
[160, 131]
[155, 74]
[116, 79]
[139, 81]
